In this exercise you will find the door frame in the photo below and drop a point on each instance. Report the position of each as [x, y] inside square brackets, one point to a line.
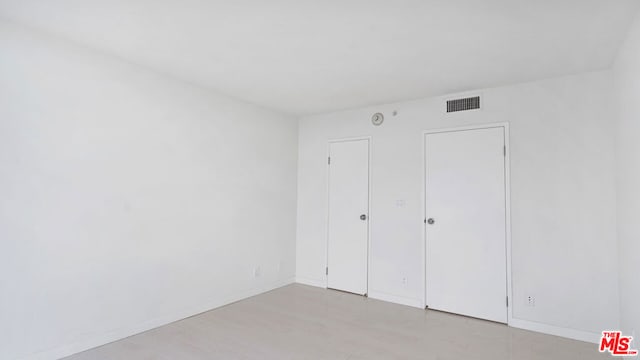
[507, 184]
[328, 178]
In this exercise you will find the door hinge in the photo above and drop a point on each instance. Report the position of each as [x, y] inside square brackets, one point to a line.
[326, 271]
[329, 160]
[507, 301]
[504, 150]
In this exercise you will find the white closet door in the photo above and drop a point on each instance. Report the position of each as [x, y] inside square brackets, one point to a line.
[466, 229]
[348, 216]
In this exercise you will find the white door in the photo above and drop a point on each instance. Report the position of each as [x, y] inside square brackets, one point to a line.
[466, 227]
[348, 216]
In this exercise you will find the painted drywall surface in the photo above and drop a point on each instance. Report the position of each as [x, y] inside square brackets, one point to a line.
[129, 200]
[627, 95]
[563, 196]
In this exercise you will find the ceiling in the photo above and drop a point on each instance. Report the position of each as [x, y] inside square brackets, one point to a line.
[303, 57]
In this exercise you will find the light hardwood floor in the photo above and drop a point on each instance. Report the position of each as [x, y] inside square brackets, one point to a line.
[302, 322]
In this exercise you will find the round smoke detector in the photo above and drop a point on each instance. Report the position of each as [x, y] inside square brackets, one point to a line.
[377, 119]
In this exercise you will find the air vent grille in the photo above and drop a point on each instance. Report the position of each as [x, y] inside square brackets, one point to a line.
[463, 104]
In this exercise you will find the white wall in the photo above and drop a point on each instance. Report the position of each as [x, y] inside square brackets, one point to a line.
[129, 199]
[563, 198]
[627, 93]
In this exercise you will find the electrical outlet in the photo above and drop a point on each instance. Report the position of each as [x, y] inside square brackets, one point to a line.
[405, 281]
[530, 300]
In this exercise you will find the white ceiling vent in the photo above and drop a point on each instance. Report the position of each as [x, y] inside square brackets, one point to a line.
[470, 103]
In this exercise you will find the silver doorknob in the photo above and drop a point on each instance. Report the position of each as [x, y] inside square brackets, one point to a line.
[363, 217]
[431, 221]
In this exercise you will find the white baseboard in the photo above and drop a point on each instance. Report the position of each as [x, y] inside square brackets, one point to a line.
[119, 334]
[396, 299]
[574, 334]
[372, 294]
[311, 282]
[556, 330]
